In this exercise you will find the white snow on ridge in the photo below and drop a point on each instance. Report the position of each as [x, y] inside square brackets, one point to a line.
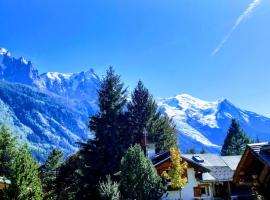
[3, 51]
[183, 107]
[57, 76]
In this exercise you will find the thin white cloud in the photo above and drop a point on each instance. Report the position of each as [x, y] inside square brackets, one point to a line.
[242, 17]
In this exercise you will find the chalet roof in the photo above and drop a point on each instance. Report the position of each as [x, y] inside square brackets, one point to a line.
[231, 161]
[256, 155]
[221, 167]
[4, 180]
[261, 151]
[164, 157]
[221, 173]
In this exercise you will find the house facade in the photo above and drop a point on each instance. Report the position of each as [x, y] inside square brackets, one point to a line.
[209, 175]
[252, 175]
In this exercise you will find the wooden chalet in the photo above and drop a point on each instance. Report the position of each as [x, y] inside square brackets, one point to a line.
[4, 183]
[209, 175]
[253, 172]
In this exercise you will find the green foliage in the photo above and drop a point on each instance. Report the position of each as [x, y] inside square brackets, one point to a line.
[203, 151]
[102, 155]
[48, 174]
[257, 140]
[109, 190]
[25, 182]
[191, 151]
[67, 179]
[8, 152]
[143, 116]
[163, 133]
[139, 179]
[235, 141]
[141, 110]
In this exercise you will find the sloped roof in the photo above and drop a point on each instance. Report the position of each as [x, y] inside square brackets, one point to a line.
[4, 180]
[164, 157]
[262, 151]
[221, 173]
[231, 161]
[222, 167]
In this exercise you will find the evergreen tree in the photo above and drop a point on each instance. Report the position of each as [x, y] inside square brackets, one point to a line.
[48, 174]
[141, 109]
[67, 180]
[235, 141]
[109, 190]
[25, 182]
[191, 151]
[203, 151]
[144, 118]
[102, 155]
[257, 140]
[8, 152]
[139, 179]
[163, 133]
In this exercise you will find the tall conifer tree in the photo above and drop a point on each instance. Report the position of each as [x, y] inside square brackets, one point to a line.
[141, 109]
[235, 141]
[101, 156]
[67, 180]
[25, 182]
[48, 174]
[8, 152]
[144, 118]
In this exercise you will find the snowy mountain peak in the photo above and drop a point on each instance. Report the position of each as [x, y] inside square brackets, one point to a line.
[56, 76]
[3, 51]
[186, 101]
[23, 60]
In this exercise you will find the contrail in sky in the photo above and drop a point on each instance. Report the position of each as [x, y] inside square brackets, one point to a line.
[242, 17]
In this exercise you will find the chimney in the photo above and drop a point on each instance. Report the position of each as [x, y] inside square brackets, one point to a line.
[150, 150]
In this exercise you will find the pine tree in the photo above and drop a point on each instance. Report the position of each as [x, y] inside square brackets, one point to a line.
[191, 151]
[141, 109]
[235, 141]
[257, 140]
[203, 151]
[48, 174]
[109, 190]
[67, 179]
[139, 179]
[25, 182]
[144, 118]
[177, 170]
[8, 152]
[102, 155]
[163, 133]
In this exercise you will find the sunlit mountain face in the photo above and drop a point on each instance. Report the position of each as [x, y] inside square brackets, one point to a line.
[52, 110]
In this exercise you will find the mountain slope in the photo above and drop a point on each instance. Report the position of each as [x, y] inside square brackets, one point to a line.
[48, 110]
[52, 110]
[81, 86]
[203, 124]
[43, 121]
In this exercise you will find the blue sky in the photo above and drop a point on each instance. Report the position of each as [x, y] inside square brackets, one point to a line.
[168, 44]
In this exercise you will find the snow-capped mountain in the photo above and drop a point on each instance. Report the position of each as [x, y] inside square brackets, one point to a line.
[52, 110]
[81, 85]
[203, 124]
[48, 110]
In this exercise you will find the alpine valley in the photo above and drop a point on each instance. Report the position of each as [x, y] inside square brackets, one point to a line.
[52, 110]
